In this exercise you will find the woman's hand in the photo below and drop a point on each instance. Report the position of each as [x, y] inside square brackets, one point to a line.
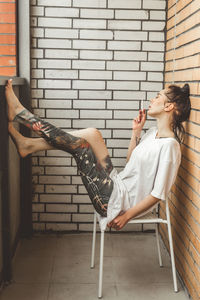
[119, 222]
[139, 121]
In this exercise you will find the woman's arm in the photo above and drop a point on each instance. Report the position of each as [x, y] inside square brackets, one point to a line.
[138, 124]
[120, 221]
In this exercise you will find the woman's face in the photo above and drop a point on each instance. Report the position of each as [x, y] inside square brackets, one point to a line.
[158, 104]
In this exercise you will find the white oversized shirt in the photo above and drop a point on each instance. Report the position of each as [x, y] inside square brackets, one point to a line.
[151, 169]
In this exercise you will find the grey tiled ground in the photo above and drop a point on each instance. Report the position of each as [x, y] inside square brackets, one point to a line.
[58, 268]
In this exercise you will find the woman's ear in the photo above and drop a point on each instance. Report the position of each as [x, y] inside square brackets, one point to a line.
[169, 106]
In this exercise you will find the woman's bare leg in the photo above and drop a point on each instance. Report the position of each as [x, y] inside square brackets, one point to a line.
[26, 145]
[16, 112]
[94, 174]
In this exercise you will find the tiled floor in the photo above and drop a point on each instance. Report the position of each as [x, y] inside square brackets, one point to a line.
[58, 268]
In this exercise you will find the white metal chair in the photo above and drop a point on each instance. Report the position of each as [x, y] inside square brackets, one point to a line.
[149, 218]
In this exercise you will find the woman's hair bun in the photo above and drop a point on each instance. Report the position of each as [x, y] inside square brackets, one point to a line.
[186, 89]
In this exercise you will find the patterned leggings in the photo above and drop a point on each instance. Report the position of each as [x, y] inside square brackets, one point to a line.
[94, 176]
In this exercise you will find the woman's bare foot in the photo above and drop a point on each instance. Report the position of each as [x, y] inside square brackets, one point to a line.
[24, 145]
[14, 106]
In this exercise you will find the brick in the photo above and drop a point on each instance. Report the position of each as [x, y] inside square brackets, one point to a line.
[151, 86]
[128, 25]
[155, 56]
[61, 53]
[152, 66]
[54, 84]
[55, 104]
[61, 74]
[120, 152]
[118, 45]
[154, 4]
[79, 23]
[54, 179]
[61, 12]
[119, 75]
[63, 114]
[52, 217]
[124, 114]
[53, 3]
[63, 123]
[128, 95]
[86, 208]
[57, 152]
[37, 53]
[82, 217]
[97, 13]
[87, 84]
[45, 161]
[59, 94]
[129, 35]
[157, 15]
[153, 25]
[37, 207]
[68, 189]
[54, 63]
[37, 11]
[83, 44]
[123, 85]
[119, 143]
[130, 55]
[61, 33]
[104, 55]
[38, 227]
[37, 74]
[54, 43]
[95, 95]
[37, 32]
[155, 76]
[35, 93]
[96, 34]
[87, 64]
[89, 3]
[39, 112]
[124, 4]
[81, 199]
[37, 170]
[88, 123]
[131, 14]
[76, 180]
[54, 22]
[61, 227]
[55, 198]
[156, 36]
[123, 104]
[116, 65]
[152, 46]
[89, 104]
[96, 114]
[61, 208]
[95, 75]
[38, 188]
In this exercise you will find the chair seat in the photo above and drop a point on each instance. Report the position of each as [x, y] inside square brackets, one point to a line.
[150, 217]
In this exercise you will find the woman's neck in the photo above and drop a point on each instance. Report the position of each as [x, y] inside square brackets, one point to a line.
[164, 128]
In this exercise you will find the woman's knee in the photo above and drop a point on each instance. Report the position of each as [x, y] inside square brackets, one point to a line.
[94, 133]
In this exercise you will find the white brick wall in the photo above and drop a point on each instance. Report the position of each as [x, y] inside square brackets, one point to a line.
[92, 64]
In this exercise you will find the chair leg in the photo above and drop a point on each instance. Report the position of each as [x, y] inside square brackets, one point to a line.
[171, 247]
[101, 265]
[158, 246]
[93, 240]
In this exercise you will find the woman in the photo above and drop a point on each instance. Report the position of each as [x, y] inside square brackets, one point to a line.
[152, 163]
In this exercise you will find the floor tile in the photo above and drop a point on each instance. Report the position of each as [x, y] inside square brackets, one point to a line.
[81, 292]
[149, 291]
[76, 269]
[35, 270]
[22, 291]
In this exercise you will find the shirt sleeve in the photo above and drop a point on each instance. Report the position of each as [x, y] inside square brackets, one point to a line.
[168, 166]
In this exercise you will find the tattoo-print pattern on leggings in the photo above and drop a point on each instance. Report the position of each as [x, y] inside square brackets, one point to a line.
[95, 178]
